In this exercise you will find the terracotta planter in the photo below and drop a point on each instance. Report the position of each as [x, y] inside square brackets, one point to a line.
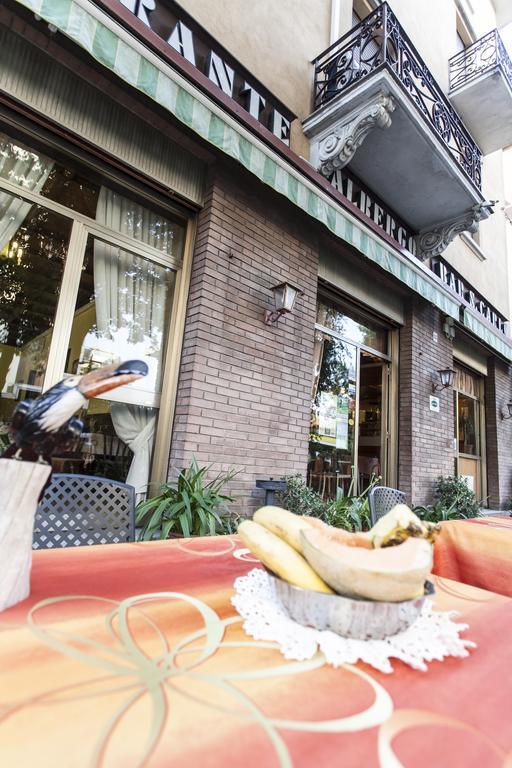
[21, 483]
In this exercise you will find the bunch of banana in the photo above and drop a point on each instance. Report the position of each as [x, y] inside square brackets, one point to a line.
[269, 536]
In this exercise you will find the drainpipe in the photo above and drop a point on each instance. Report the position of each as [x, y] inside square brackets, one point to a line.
[335, 21]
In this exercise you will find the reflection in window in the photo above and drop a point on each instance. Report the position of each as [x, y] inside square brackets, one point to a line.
[357, 328]
[331, 446]
[33, 247]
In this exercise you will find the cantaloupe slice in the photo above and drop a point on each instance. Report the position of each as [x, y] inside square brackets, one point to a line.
[392, 574]
[357, 539]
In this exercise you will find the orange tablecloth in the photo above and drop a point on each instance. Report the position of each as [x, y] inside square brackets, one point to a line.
[477, 552]
[131, 655]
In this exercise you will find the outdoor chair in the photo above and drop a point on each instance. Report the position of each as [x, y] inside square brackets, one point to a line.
[381, 500]
[78, 510]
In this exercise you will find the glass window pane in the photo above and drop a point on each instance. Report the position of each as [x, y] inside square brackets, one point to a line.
[370, 418]
[33, 249]
[356, 327]
[77, 190]
[468, 425]
[122, 313]
[331, 447]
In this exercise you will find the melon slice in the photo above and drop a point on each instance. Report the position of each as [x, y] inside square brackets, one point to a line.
[391, 574]
[357, 539]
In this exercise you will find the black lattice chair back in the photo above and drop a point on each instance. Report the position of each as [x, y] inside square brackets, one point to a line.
[79, 510]
[382, 500]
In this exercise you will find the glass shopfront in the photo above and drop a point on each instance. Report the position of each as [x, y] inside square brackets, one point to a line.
[87, 277]
[348, 444]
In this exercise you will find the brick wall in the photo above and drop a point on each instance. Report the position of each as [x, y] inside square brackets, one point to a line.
[498, 392]
[244, 387]
[425, 437]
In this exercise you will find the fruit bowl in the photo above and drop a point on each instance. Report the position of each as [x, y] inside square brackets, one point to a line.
[347, 616]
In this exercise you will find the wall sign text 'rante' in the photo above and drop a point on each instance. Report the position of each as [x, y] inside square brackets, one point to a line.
[172, 24]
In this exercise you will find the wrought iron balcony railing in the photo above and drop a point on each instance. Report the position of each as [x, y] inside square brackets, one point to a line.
[377, 43]
[486, 55]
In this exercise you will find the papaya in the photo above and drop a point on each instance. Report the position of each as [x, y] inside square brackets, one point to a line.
[349, 539]
[390, 574]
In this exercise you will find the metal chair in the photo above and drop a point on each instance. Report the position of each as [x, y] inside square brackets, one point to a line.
[381, 500]
[79, 510]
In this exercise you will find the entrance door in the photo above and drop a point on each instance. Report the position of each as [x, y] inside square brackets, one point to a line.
[349, 412]
[333, 417]
[468, 412]
[372, 442]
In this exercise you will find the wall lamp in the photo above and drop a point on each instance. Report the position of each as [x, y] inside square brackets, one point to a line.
[509, 409]
[285, 295]
[449, 328]
[442, 379]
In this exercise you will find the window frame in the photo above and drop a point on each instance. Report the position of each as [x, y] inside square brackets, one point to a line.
[83, 227]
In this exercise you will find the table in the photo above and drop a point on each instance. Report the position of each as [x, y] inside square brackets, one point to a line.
[477, 552]
[131, 655]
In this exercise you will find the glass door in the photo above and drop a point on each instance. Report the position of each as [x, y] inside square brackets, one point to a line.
[372, 441]
[333, 417]
[468, 413]
[349, 411]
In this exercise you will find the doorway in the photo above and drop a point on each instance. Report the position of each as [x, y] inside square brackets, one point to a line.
[348, 443]
[469, 428]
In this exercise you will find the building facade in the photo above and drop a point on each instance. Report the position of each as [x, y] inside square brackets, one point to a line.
[163, 167]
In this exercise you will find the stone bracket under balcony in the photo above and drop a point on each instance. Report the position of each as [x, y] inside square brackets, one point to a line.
[336, 145]
[481, 91]
[432, 242]
[379, 111]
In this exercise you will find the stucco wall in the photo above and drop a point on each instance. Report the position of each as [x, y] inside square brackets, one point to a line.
[276, 41]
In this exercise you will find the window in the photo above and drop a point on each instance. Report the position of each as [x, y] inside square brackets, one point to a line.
[88, 273]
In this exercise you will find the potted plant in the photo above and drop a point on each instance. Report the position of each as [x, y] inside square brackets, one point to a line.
[188, 506]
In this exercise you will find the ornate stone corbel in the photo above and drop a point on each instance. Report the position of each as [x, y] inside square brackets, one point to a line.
[434, 241]
[339, 146]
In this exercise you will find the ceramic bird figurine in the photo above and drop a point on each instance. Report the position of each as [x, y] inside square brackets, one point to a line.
[45, 425]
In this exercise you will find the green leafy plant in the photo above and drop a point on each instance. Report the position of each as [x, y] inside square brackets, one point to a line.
[300, 498]
[349, 512]
[453, 500]
[188, 506]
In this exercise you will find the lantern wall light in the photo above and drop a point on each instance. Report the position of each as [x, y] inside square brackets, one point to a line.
[442, 379]
[285, 296]
[506, 412]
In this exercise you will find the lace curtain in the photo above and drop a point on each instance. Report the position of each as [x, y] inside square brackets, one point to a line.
[131, 295]
[26, 169]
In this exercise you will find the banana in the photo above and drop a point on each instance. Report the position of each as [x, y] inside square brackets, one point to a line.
[284, 524]
[280, 557]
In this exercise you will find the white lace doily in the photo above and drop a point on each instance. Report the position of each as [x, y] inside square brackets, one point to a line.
[433, 636]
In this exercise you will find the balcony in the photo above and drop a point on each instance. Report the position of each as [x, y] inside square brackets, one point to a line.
[481, 91]
[379, 111]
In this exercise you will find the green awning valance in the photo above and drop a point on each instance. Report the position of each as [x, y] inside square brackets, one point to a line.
[115, 48]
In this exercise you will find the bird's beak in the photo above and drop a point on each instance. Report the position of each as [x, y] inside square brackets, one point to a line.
[109, 377]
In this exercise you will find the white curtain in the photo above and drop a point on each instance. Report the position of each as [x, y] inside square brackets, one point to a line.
[131, 294]
[26, 169]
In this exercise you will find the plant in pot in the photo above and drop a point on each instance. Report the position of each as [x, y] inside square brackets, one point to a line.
[188, 506]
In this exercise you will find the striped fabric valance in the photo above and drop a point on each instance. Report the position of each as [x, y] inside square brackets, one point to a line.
[119, 51]
[493, 339]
